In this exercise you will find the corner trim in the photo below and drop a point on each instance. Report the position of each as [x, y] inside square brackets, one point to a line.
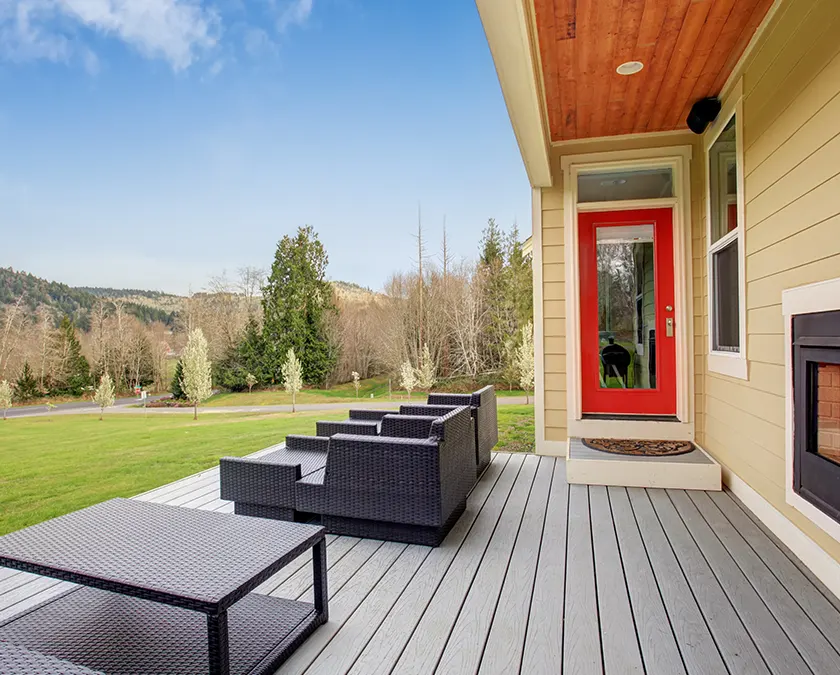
[539, 331]
[824, 567]
[553, 448]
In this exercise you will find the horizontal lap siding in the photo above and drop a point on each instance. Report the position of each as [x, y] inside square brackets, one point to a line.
[554, 312]
[792, 176]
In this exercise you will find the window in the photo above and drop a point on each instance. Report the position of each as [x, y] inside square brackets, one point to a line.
[727, 322]
[611, 186]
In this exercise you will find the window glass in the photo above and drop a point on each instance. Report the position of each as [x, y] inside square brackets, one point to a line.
[723, 183]
[726, 309]
[626, 307]
[620, 185]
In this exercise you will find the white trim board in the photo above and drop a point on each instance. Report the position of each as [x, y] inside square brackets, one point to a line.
[823, 296]
[539, 330]
[821, 564]
[677, 158]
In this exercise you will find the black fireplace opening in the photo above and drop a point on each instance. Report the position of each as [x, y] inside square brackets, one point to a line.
[816, 410]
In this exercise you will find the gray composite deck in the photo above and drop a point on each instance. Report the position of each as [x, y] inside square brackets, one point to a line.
[538, 573]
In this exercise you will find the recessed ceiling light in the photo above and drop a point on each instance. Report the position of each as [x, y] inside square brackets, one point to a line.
[630, 68]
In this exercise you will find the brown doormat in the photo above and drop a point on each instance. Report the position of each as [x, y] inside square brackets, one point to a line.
[624, 446]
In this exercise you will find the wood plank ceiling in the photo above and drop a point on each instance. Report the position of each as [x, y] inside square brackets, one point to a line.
[688, 48]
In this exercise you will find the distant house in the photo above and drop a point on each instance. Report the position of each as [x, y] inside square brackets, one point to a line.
[711, 257]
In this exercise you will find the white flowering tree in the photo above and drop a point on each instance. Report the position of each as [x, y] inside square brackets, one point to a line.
[250, 380]
[524, 359]
[292, 375]
[356, 382]
[104, 394]
[5, 396]
[197, 381]
[426, 374]
[408, 377]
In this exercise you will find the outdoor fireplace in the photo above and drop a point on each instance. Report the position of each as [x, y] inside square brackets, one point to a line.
[816, 410]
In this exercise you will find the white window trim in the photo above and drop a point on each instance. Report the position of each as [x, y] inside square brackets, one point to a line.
[677, 158]
[733, 364]
[823, 296]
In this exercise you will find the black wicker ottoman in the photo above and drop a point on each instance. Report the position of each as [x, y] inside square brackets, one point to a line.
[149, 572]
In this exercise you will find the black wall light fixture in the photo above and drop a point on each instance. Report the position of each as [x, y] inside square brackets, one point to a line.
[702, 113]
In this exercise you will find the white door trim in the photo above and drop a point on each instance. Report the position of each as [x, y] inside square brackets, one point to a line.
[677, 158]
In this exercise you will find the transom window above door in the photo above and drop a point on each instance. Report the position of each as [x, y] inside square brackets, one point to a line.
[627, 184]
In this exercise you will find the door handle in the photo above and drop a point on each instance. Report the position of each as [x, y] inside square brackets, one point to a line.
[669, 327]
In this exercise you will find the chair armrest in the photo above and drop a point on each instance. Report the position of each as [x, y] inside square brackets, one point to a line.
[407, 426]
[254, 481]
[449, 399]
[369, 414]
[307, 443]
[357, 427]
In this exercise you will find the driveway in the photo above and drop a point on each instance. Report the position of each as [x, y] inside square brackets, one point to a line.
[76, 407]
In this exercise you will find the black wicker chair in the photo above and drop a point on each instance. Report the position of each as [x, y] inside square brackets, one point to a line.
[400, 489]
[483, 406]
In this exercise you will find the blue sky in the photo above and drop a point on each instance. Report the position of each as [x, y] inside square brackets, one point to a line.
[153, 143]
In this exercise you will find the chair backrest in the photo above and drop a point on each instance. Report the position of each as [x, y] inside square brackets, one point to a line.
[369, 414]
[427, 410]
[483, 396]
[449, 399]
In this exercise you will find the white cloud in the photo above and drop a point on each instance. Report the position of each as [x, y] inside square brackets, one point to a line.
[295, 13]
[174, 30]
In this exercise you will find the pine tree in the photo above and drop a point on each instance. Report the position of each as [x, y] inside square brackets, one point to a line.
[177, 390]
[73, 373]
[297, 302]
[26, 387]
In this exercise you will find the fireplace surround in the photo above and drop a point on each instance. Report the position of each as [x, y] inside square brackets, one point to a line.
[812, 365]
[816, 410]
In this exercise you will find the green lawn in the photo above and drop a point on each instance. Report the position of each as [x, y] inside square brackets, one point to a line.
[516, 428]
[377, 386]
[49, 467]
[52, 466]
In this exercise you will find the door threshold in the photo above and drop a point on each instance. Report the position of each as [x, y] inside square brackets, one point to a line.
[630, 418]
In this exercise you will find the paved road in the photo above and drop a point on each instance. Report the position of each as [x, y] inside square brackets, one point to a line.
[76, 407]
[126, 406]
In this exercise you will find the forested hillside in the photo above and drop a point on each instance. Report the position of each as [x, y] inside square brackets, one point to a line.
[75, 303]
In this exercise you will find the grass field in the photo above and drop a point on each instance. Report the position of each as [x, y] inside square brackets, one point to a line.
[52, 466]
[376, 386]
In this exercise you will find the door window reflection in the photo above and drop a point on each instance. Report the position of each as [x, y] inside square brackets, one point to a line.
[626, 307]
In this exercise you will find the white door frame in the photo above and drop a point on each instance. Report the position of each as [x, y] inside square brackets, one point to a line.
[677, 159]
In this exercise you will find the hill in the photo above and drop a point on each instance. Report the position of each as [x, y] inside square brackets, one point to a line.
[76, 303]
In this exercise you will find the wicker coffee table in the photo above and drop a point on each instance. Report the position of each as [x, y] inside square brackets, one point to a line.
[148, 573]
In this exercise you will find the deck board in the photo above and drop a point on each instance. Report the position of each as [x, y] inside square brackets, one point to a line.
[541, 577]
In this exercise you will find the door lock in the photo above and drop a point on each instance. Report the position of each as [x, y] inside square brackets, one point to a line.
[669, 327]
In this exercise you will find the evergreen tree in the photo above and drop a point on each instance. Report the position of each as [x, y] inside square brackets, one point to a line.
[72, 376]
[26, 387]
[231, 372]
[520, 280]
[297, 300]
[177, 389]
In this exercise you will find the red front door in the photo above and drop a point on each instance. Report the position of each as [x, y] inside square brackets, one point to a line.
[628, 355]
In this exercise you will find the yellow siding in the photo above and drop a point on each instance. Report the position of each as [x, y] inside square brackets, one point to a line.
[554, 321]
[792, 144]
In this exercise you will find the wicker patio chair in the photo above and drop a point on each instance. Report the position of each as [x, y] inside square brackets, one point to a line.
[401, 489]
[482, 403]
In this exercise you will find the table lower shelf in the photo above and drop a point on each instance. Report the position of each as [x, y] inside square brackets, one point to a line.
[121, 635]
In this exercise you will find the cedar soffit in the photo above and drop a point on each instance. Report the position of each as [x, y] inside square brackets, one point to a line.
[688, 48]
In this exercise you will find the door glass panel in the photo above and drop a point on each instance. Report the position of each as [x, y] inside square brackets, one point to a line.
[828, 411]
[626, 307]
[620, 185]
